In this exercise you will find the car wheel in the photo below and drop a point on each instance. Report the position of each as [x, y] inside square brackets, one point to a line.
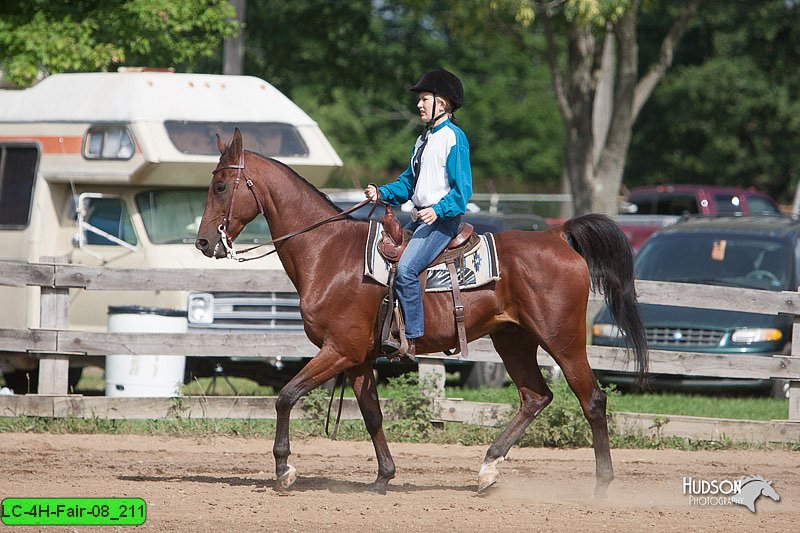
[486, 375]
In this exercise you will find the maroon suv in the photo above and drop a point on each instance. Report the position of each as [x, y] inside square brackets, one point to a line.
[698, 199]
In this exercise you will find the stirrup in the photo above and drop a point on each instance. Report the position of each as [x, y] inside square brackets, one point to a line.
[390, 347]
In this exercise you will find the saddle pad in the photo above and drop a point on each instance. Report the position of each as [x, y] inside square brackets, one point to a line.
[481, 264]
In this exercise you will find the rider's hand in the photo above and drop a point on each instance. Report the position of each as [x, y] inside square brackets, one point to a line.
[371, 192]
[428, 215]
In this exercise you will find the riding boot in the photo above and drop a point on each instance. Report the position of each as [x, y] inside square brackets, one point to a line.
[392, 344]
[411, 351]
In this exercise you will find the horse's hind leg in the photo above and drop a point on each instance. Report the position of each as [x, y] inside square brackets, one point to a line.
[325, 365]
[517, 349]
[581, 380]
[366, 392]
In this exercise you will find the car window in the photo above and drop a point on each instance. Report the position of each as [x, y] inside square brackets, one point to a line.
[728, 203]
[643, 204]
[272, 139]
[716, 259]
[111, 216]
[172, 216]
[676, 204]
[17, 176]
[758, 204]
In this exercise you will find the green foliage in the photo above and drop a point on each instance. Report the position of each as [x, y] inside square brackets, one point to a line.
[595, 12]
[728, 111]
[316, 402]
[411, 408]
[560, 424]
[352, 75]
[40, 37]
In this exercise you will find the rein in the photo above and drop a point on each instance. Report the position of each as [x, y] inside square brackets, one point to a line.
[226, 239]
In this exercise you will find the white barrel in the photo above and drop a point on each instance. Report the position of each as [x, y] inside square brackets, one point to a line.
[145, 375]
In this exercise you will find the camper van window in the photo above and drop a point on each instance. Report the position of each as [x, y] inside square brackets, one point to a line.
[111, 216]
[173, 217]
[271, 139]
[17, 175]
[108, 142]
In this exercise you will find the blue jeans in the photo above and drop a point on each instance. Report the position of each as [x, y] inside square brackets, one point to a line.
[426, 243]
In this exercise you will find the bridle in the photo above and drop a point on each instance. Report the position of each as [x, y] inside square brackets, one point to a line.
[225, 237]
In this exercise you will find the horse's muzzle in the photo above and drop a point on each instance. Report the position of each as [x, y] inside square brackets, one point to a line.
[204, 246]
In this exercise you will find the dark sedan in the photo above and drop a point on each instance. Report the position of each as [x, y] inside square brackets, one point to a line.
[758, 252]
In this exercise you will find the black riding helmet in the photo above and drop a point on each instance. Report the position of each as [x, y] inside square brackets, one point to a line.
[442, 83]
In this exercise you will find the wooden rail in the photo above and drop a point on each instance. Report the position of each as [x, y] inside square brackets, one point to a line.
[54, 344]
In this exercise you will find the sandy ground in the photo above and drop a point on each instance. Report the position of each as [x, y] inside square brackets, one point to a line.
[224, 484]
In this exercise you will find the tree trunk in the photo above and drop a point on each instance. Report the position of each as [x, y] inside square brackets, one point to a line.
[598, 124]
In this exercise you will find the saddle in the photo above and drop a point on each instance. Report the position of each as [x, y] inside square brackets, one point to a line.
[395, 239]
[393, 243]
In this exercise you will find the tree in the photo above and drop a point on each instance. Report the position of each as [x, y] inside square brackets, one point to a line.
[596, 82]
[40, 37]
[599, 93]
[352, 74]
[729, 113]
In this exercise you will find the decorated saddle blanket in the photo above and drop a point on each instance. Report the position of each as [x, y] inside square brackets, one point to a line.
[480, 265]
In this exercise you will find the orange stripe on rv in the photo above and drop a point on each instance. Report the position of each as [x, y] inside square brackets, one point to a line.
[53, 144]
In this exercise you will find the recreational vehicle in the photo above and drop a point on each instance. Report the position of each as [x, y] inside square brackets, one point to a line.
[113, 168]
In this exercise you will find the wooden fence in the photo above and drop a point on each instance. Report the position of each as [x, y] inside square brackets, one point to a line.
[53, 344]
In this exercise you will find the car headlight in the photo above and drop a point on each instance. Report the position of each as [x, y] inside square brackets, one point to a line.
[751, 335]
[200, 308]
[606, 330]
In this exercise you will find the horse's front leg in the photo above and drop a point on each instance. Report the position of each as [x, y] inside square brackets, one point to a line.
[324, 366]
[366, 392]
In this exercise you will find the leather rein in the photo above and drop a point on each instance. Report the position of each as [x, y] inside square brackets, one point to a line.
[225, 237]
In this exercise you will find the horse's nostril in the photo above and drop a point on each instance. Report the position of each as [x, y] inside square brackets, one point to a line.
[201, 244]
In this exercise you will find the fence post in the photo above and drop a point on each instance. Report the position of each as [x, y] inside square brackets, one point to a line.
[431, 377]
[54, 314]
[794, 384]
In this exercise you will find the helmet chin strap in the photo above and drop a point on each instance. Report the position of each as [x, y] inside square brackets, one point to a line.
[429, 125]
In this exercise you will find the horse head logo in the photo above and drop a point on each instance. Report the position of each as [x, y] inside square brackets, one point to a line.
[752, 488]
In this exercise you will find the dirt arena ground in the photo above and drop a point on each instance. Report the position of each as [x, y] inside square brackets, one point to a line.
[224, 484]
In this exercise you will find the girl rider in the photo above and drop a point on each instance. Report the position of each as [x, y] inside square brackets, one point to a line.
[438, 181]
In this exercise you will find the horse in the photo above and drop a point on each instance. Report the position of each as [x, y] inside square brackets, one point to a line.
[539, 301]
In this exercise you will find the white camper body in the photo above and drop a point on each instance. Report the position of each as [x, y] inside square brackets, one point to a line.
[130, 155]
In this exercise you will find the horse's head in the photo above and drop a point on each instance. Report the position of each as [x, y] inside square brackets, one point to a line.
[229, 206]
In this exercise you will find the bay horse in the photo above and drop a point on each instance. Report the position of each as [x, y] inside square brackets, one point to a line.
[539, 300]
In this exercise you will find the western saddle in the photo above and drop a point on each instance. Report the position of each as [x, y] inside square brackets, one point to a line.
[391, 246]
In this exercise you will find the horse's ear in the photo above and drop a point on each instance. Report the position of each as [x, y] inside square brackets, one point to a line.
[236, 143]
[220, 144]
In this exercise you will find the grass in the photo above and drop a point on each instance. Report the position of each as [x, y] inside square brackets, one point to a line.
[670, 403]
[561, 425]
[715, 406]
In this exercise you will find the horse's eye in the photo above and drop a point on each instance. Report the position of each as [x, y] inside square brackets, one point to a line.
[221, 186]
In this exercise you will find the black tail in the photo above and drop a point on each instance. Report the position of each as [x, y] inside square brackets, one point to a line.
[608, 253]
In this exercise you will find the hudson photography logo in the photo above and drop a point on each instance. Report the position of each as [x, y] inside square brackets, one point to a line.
[728, 492]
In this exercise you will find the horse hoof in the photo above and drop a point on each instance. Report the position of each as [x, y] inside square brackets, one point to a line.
[486, 482]
[600, 493]
[287, 479]
[488, 474]
[377, 489]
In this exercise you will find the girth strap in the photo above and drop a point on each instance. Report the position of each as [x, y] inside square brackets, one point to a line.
[458, 311]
